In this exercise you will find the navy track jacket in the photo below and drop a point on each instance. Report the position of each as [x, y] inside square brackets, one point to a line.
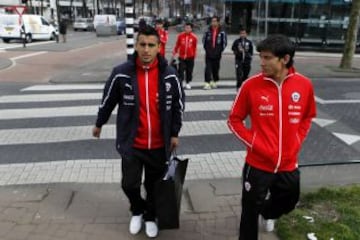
[122, 89]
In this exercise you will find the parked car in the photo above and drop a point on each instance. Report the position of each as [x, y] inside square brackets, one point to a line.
[103, 19]
[35, 27]
[120, 26]
[84, 24]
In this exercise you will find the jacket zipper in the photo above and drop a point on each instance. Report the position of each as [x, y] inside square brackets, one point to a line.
[186, 46]
[280, 128]
[148, 107]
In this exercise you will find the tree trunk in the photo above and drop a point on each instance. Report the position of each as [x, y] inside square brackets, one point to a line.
[351, 36]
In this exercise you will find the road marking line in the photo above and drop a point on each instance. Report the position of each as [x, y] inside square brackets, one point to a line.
[91, 110]
[349, 139]
[27, 98]
[323, 122]
[27, 55]
[60, 87]
[78, 133]
[336, 101]
[55, 97]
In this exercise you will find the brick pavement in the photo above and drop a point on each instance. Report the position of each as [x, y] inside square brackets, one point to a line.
[100, 211]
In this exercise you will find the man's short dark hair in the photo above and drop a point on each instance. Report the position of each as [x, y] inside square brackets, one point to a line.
[159, 21]
[148, 31]
[216, 17]
[242, 29]
[189, 24]
[279, 45]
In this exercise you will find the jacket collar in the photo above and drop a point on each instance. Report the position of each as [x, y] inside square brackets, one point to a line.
[291, 72]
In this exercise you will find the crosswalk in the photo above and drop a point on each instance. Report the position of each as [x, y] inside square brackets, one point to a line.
[45, 135]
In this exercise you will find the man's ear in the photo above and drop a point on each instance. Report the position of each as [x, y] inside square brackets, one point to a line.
[286, 59]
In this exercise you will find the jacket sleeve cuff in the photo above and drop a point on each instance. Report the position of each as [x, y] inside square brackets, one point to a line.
[175, 134]
[98, 124]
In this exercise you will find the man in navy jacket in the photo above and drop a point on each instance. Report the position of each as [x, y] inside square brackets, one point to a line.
[150, 103]
[214, 42]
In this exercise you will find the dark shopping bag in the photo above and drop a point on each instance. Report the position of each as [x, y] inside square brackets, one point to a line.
[174, 64]
[168, 191]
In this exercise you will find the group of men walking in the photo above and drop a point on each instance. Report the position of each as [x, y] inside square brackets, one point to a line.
[150, 103]
[214, 42]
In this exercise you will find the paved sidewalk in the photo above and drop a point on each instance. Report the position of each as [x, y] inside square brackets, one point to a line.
[100, 211]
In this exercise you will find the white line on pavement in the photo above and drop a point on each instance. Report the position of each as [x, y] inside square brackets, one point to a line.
[336, 101]
[77, 133]
[75, 111]
[26, 98]
[27, 55]
[92, 96]
[201, 166]
[97, 96]
[59, 87]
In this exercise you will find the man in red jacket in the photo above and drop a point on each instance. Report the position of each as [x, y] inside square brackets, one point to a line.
[280, 103]
[185, 46]
[159, 25]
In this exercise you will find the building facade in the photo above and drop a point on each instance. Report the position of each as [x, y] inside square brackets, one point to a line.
[320, 22]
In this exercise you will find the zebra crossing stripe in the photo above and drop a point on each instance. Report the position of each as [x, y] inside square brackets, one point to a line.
[26, 98]
[60, 87]
[56, 97]
[91, 110]
[201, 166]
[77, 133]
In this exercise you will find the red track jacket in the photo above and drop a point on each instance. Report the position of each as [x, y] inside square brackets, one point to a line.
[186, 44]
[280, 120]
[163, 40]
[149, 135]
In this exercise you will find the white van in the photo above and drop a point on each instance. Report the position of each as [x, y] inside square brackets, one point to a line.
[36, 28]
[103, 19]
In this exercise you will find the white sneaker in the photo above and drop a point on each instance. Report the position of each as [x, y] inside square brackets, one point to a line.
[269, 225]
[151, 229]
[135, 224]
[207, 86]
[187, 86]
[213, 84]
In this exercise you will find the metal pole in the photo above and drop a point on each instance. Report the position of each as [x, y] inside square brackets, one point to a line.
[266, 17]
[129, 21]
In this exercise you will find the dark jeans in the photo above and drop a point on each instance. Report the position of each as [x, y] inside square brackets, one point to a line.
[212, 67]
[242, 72]
[284, 189]
[154, 163]
[186, 67]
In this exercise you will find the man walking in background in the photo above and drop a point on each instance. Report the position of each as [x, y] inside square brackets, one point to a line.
[280, 103]
[159, 26]
[243, 50]
[150, 107]
[214, 42]
[185, 47]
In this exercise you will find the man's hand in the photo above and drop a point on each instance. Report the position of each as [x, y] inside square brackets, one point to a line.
[96, 131]
[174, 142]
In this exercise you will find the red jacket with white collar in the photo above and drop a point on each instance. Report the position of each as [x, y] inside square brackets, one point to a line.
[149, 134]
[280, 119]
[186, 44]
